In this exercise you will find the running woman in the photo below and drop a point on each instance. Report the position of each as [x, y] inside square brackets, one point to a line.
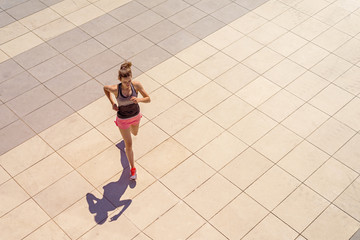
[127, 107]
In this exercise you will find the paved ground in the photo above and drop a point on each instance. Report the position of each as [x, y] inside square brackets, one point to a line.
[252, 132]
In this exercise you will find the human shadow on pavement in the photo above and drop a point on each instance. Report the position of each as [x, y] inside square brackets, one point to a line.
[113, 192]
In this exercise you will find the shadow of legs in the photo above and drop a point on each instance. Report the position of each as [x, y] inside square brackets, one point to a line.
[126, 204]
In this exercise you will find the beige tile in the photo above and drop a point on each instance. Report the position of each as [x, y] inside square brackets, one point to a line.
[236, 78]
[65, 131]
[331, 99]
[182, 181]
[157, 199]
[332, 224]
[108, 5]
[198, 134]
[307, 86]
[176, 117]
[3, 56]
[246, 168]
[349, 200]
[187, 83]
[207, 232]
[350, 81]
[223, 37]
[350, 51]
[98, 111]
[12, 195]
[239, 217]
[242, 48]
[43, 174]
[331, 136]
[349, 24]
[48, 231]
[141, 236]
[308, 55]
[161, 100]
[271, 228]
[201, 100]
[301, 208]
[258, 91]
[331, 67]
[248, 23]
[332, 14]
[310, 28]
[109, 129]
[84, 15]
[68, 6]
[221, 150]
[303, 160]
[196, 53]
[63, 193]
[272, 187]
[281, 105]
[26, 154]
[164, 158]
[168, 70]
[4, 176]
[263, 60]
[300, 238]
[287, 44]
[216, 65]
[310, 7]
[277, 143]
[290, 18]
[350, 113]
[12, 224]
[349, 153]
[21, 44]
[148, 83]
[331, 39]
[178, 223]
[84, 148]
[40, 18]
[12, 31]
[331, 179]
[267, 33]
[54, 29]
[206, 199]
[284, 72]
[271, 9]
[252, 127]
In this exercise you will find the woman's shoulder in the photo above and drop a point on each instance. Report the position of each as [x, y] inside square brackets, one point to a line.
[111, 87]
[137, 85]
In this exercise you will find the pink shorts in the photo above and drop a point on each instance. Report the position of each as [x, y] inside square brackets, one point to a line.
[126, 123]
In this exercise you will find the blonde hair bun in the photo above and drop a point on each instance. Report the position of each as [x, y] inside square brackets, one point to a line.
[126, 65]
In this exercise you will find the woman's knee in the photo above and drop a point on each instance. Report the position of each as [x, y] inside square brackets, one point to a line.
[128, 144]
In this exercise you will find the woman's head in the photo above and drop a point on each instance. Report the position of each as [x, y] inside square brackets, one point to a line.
[125, 70]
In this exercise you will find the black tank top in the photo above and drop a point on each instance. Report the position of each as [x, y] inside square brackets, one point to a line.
[126, 107]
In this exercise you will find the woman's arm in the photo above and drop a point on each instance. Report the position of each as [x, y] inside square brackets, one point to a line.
[108, 89]
[140, 88]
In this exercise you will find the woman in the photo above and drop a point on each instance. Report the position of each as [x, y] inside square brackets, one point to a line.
[127, 107]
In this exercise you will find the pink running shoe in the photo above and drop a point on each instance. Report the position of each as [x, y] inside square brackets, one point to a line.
[133, 174]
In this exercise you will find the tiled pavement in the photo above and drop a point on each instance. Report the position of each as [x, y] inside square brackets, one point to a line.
[252, 132]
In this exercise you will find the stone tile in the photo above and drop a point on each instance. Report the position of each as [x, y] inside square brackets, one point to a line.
[84, 15]
[84, 148]
[46, 231]
[109, 5]
[4, 5]
[307, 86]
[271, 9]
[198, 137]
[50, 2]
[267, 33]
[54, 29]
[25, 9]
[65, 131]
[99, 25]
[349, 113]
[284, 72]
[31, 100]
[242, 48]
[250, 4]
[349, 24]
[169, 149]
[287, 44]
[98, 111]
[263, 60]
[9, 224]
[12, 31]
[115, 35]
[9, 69]
[48, 115]
[69, 39]
[5, 19]
[229, 13]
[241, 215]
[63, 194]
[4, 176]
[144, 21]
[325, 100]
[68, 6]
[248, 22]
[271, 228]
[151, 3]
[178, 42]
[305, 120]
[308, 55]
[107, 129]
[217, 64]
[141, 236]
[196, 53]
[179, 222]
[338, 224]
[7, 116]
[160, 31]
[204, 27]
[83, 95]
[349, 152]
[331, 136]
[332, 14]
[158, 199]
[187, 16]
[148, 83]
[127, 49]
[290, 18]
[39, 18]
[199, 101]
[12, 196]
[3, 56]
[310, 7]
[181, 183]
[149, 58]
[169, 8]
[43, 174]
[101, 63]
[310, 28]
[176, 118]
[210, 6]
[349, 80]
[331, 39]
[223, 37]
[207, 232]
[128, 11]
[331, 67]
[348, 201]
[350, 51]
[161, 100]
[21, 44]
[84, 51]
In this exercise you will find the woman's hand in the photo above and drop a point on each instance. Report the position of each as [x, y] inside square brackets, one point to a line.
[115, 107]
[134, 100]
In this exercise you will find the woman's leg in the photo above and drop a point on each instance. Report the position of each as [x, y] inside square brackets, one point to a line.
[134, 129]
[126, 134]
